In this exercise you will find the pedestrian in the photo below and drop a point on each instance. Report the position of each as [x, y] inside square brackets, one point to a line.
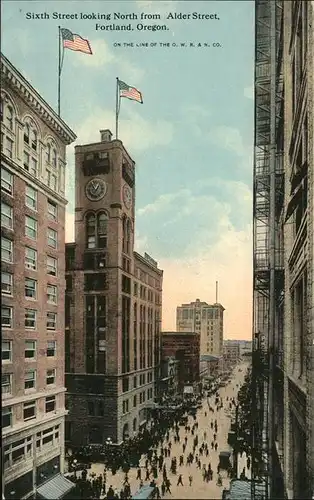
[147, 475]
[190, 479]
[139, 474]
[212, 445]
[216, 446]
[163, 489]
[215, 435]
[168, 484]
[219, 480]
[205, 436]
[205, 413]
[180, 480]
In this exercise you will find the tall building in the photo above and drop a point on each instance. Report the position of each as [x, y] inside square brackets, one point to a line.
[185, 347]
[113, 303]
[33, 162]
[207, 321]
[283, 330]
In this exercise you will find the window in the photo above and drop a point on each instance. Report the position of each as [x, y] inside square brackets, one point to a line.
[6, 283]
[51, 320]
[52, 238]
[33, 167]
[6, 181]
[6, 417]
[18, 450]
[30, 258]
[47, 436]
[30, 318]
[29, 410]
[69, 283]
[30, 288]
[6, 384]
[26, 133]
[51, 377]
[26, 161]
[8, 150]
[51, 266]
[50, 403]
[33, 141]
[6, 250]
[30, 349]
[102, 228]
[9, 117]
[54, 157]
[53, 182]
[125, 406]
[48, 153]
[31, 198]
[6, 316]
[30, 227]
[95, 281]
[51, 348]
[52, 294]
[6, 350]
[91, 230]
[52, 210]
[30, 380]
[6, 215]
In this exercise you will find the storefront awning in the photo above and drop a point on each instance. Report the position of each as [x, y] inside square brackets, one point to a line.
[55, 488]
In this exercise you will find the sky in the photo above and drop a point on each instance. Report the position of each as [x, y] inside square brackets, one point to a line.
[191, 139]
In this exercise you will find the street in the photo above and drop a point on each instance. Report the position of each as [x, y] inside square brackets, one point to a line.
[199, 488]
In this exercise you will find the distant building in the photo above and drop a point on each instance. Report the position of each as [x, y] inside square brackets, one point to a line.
[210, 365]
[185, 347]
[231, 353]
[113, 303]
[33, 164]
[207, 321]
[169, 376]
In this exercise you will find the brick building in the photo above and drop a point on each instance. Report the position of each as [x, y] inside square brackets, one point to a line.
[231, 353]
[185, 347]
[33, 160]
[113, 303]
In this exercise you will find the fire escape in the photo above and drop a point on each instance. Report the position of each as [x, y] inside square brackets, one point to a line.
[268, 276]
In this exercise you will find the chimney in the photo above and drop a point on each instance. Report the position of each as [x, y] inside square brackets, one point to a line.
[105, 135]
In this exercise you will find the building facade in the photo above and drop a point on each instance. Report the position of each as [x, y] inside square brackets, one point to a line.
[33, 162]
[207, 321]
[231, 354]
[113, 303]
[283, 335]
[169, 376]
[185, 347]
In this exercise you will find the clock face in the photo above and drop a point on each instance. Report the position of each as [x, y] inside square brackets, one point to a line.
[127, 196]
[95, 189]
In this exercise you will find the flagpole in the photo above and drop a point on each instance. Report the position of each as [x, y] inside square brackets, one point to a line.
[59, 71]
[117, 107]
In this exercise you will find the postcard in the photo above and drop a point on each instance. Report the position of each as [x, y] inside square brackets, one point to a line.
[156, 194]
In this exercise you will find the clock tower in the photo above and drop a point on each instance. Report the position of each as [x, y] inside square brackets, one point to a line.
[104, 237]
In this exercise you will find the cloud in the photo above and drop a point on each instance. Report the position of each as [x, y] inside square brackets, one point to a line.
[195, 115]
[136, 133]
[230, 138]
[103, 56]
[249, 92]
[212, 249]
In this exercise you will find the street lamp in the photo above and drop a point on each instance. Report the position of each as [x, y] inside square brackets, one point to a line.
[108, 440]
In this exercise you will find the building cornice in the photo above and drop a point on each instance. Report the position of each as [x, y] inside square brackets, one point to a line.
[142, 259]
[14, 79]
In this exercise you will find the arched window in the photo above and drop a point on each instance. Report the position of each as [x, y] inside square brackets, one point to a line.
[48, 153]
[8, 131]
[54, 158]
[91, 230]
[134, 425]
[30, 156]
[128, 236]
[9, 117]
[102, 229]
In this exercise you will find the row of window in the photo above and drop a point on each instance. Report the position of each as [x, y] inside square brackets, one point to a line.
[30, 319]
[31, 226]
[29, 380]
[146, 278]
[143, 396]
[23, 448]
[30, 351]
[31, 153]
[31, 195]
[30, 288]
[30, 257]
[29, 411]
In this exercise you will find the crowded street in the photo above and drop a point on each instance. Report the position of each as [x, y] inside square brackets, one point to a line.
[185, 464]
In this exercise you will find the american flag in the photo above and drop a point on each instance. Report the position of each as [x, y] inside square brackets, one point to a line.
[130, 92]
[73, 41]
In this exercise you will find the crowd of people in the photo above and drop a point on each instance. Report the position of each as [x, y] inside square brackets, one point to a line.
[197, 447]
